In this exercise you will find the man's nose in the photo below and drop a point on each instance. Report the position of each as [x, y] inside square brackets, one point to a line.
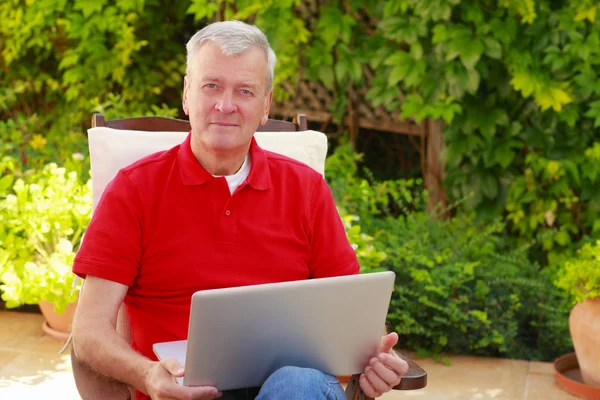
[225, 104]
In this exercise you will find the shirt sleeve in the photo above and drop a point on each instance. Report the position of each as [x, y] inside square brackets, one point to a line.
[331, 253]
[112, 245]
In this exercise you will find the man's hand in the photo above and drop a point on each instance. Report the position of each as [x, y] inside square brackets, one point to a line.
[161, 384]
[384, 371]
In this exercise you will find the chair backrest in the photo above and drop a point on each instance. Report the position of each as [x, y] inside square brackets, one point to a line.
[155, 124]
[116, 144]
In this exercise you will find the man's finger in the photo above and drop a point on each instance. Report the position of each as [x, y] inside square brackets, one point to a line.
[393, 362]
[367, 387]
[376, 381]
[173, 367]
[204, 392]
[390, 376]
[388, 342]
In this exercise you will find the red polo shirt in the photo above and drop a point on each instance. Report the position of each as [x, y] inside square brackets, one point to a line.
[167, 228]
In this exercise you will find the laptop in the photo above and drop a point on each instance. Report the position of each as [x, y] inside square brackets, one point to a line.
[239, 336]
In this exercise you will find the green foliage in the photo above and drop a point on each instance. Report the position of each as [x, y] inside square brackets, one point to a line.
[459, 291]
[580, 276]
[460, 288]
[515, 81]
[369, 257]
[61, 60]
[526, 142]
[43, 216]
[556, 200]
[357, 192]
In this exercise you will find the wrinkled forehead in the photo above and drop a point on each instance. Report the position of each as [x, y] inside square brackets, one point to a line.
[211, 52]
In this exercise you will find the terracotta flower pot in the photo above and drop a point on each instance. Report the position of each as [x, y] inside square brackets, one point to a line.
[55, 324]
[584, 323]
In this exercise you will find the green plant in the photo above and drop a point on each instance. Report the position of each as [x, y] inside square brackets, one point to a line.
[357, 192]
[368, 254]
[580, 276]
[63, 60]
[515, 82]
[460, 291]
[42, 222]
[462, 287]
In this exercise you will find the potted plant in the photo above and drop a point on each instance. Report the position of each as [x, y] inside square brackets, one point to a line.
[42, 220]
[580, 277]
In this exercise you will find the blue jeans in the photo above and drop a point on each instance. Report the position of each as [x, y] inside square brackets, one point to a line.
[291, 383]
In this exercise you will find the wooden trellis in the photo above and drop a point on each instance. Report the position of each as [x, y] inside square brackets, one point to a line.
[312, 99]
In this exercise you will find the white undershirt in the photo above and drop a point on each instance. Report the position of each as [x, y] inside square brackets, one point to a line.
[235, 180]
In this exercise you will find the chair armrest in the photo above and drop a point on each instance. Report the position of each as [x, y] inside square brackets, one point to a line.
[415, 378]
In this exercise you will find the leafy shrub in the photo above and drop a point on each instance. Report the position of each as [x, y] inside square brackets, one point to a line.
[580, 276]
[368, 254]
[459, 291]
[356, 191]
[460, 288]
[63, 60]
[42, 221]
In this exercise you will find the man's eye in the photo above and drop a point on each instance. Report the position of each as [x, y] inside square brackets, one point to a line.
[211, 85]
[246, 91]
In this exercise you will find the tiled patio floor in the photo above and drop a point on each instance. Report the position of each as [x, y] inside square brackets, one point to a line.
[31, 368]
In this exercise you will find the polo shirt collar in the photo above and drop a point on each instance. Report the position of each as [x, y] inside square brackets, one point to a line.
[260, 175]
[193, 173]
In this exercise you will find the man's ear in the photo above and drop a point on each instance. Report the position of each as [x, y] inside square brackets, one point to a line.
[268, 101]
[184, 102]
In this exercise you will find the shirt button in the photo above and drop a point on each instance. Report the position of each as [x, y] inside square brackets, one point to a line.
[227, 212]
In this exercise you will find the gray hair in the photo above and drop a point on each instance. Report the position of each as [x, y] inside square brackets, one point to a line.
[233, 38]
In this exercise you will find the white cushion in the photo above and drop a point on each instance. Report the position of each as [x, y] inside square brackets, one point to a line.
[113, 149]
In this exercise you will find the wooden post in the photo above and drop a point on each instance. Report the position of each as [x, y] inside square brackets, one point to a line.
[434, 173]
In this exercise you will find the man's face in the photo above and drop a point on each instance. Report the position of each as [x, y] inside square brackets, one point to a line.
[225, 98]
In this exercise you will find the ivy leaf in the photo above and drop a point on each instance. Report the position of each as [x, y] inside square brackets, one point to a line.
[504, 155]
[525, 82]
[456, 150]
[129, 5]
[570, 115]
[489, 120]
[489, 186]
[416, 50]
[89, 7]
[326, 75]
[589, 14]
[330, 24]
[201, 9]
[572, 170]
[440, 34]
[345, 27]
[341, 70]
[472, 80]
[5, 183]
[70, 58]
[493, 49]
[594, 112]
[470, 51]
[552, 96]
[562, 238]
[402, 64]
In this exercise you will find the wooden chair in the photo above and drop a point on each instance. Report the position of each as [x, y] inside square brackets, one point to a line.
[92, 385]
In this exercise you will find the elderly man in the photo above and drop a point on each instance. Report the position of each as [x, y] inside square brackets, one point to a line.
[216, 211]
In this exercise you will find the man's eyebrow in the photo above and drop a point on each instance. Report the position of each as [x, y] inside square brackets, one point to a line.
[210, 79]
